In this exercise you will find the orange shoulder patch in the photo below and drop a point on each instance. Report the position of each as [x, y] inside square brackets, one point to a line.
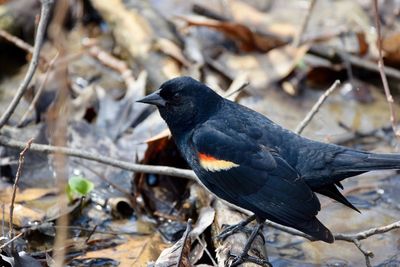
[213, 164]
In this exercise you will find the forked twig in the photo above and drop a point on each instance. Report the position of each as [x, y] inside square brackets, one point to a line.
[44, 17]
[299, 129]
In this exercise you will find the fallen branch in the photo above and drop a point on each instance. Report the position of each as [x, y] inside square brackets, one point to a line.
[316, 107]
[332, 54]
[44, 17]
[47, 149]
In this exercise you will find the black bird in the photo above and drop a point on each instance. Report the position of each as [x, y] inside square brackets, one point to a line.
[248, 160]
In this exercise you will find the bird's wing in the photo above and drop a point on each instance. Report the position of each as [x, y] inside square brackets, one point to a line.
[253, 176]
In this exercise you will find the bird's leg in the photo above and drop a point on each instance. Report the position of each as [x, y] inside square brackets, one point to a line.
[235, 227]
[244, 256]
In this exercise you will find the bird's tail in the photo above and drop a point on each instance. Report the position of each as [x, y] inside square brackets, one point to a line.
[317, 230]
[354, 161]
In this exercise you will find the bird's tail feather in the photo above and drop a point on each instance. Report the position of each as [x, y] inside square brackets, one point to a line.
[317, 230]
[360, 161]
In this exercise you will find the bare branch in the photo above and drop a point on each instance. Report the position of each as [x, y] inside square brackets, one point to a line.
[367, 254]
[367, 233]
[316, 107]
[47, 149]
[44, 17]
[381, 67]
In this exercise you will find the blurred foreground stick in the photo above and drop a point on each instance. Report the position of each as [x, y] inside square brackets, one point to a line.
[135, 30]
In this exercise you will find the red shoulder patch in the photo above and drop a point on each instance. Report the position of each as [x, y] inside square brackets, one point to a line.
[213, 164]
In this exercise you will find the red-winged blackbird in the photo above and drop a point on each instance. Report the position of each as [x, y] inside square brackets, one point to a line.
[248, 160]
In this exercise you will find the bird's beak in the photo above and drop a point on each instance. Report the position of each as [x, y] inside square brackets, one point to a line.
[153, 99]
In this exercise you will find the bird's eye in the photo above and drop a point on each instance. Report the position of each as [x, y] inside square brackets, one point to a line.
[176, 96]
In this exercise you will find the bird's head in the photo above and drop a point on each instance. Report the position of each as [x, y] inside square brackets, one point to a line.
[184, 102]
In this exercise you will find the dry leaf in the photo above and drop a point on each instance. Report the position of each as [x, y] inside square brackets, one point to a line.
[206, 218]
[246, 39]
[391, 47]
[168, 47]
[178, 254]
[25, 195]
[262, 69]
[23, 216]
[137, 251]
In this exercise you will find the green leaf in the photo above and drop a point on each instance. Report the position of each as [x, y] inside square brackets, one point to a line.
[78, 185]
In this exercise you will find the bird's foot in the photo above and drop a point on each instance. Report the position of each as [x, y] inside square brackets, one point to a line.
[236, 228]
[247, 258]
[232, 229]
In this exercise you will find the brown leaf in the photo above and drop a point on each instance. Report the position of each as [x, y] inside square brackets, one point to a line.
[137, 251]
[25, 195]
[246, 39]
[261, 69]
[158, 193]
[391, 46]
[23, 216]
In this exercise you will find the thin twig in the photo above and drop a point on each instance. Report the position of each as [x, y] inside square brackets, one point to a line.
[207, 251]
[91, 233]
[2, 219]
[100, 231]
[11, 241]
[14, 193]
[38, 92]
[236, 90]
[17, 41]
[343, 237]
[44, 17]
[103, 177]
[367, 233]
[298, 38]
[316, 107]
[381, 66]
[367, 254]
[238, 84]
[184, 240]
[47, 149]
